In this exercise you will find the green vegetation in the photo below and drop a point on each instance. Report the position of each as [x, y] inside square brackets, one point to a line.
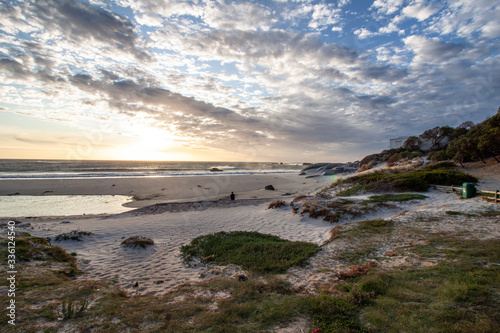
[69, 310]
[31, 248]
[465, 143]
[459, 293]
[73, 235]
[417, 181]
[251, 250]
[334, 211]
[480, 142]
[396, 197]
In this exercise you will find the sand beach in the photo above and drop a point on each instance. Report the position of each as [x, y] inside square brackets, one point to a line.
[145, 191]
[174, 210]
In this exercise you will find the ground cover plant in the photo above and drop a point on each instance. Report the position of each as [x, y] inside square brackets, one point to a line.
[335, 210]
[460, 294]
[396, 197]
[251, 250]
[419, 180]
[73, 235]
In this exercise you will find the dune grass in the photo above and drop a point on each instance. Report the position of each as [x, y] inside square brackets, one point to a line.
[251, 250]
[402, 197]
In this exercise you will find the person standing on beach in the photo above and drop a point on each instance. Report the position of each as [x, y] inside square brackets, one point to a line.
[232, 196]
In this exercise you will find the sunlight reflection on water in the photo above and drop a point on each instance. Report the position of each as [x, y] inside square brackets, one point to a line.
[62, 205]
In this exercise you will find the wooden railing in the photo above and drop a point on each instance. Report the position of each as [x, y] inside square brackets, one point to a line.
[495, 197]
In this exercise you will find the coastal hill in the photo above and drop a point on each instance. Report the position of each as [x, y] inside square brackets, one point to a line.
[463, 144]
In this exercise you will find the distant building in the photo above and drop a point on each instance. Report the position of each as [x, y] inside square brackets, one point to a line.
[397, 142]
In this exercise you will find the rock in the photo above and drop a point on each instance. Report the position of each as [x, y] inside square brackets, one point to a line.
[242, 278]
[215, 170]
[65, 222]
[269, 188]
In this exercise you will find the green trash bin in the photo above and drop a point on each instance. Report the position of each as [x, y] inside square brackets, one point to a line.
[468, 190]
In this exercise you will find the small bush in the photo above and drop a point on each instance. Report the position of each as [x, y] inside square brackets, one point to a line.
[357, 271]
[73, 235]
[276, 204]
[393, 160]
[136, 241]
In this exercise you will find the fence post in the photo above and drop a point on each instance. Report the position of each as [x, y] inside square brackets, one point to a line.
[496, 196]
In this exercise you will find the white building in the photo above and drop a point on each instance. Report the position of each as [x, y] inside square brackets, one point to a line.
[397, 142]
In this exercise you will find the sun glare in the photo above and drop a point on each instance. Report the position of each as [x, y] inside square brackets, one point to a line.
[149, 143]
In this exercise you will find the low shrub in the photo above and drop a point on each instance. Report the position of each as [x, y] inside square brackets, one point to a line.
[251, 250]
[413, 181]
[276, 204]
[137, 241]
[73, 235]
[396, 197]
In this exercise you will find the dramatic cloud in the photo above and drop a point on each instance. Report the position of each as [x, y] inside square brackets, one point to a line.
[285, 80]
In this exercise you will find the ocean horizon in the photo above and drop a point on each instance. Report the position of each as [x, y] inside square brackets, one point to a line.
[59, 169]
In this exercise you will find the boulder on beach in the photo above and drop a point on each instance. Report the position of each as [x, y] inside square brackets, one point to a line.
[269, 188]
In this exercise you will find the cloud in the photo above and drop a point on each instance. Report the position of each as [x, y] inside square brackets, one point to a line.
[387, 7]
[420, 10]
[432, 50]
[237, 16]
[85, 24]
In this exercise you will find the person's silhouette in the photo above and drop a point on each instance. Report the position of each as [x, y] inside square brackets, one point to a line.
[232, 196]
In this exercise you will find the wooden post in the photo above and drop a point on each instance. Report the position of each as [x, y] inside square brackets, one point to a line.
[496, 196]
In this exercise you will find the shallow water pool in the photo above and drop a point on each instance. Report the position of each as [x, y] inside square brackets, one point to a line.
[62, 205]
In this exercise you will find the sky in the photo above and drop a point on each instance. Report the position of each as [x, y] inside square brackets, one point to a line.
[283, 81]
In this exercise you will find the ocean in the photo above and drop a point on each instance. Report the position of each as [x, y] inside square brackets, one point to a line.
[57, 169]
[24, 205]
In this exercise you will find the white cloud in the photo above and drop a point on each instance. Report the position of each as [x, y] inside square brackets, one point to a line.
[387, 6]
[324, 15]
[432, 50]
[420, 10]
[237, 16]
[363, 33]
